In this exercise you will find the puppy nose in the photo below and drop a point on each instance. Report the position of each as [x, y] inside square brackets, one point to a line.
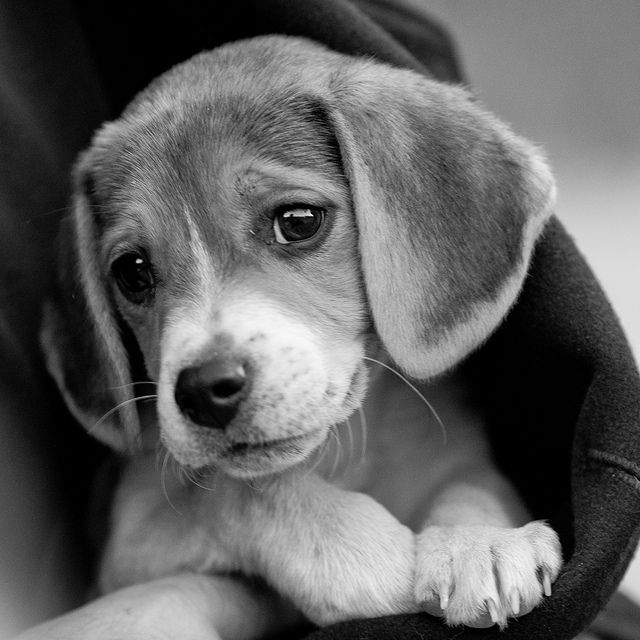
[209, 394]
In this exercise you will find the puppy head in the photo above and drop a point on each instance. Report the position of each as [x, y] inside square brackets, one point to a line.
[255, 216]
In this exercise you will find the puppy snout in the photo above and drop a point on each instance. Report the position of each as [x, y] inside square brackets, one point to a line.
[209, 394]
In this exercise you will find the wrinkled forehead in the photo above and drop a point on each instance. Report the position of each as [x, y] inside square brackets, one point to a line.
[184, 155]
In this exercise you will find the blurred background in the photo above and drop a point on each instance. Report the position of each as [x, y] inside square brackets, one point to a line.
[567, 76]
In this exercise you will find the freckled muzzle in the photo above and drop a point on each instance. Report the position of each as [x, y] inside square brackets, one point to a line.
[252, 390]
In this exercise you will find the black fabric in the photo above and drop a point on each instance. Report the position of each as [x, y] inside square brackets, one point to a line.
[49, 104]
[148, 42]
[560, 387]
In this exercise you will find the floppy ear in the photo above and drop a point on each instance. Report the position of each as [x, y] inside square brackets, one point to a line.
[80, 334]
[448, 202]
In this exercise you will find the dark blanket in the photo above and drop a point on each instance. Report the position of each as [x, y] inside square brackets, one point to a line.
[561, 392]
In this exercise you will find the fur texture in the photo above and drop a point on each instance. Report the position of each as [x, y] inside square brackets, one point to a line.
[430, 210]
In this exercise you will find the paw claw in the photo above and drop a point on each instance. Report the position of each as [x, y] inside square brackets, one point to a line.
[492, 608]
[444, 595]
[514, 601]
[482, 576]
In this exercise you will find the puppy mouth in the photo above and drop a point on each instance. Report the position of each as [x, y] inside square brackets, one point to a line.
[253, 459]
[280, 445]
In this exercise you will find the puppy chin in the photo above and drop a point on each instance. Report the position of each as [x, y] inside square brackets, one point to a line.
[247, 460]
[257, 461]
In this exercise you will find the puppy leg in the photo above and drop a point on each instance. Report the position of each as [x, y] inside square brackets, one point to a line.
[157, 529]
[336, 554]
[164, 537]
[477, 564]
[187, 606]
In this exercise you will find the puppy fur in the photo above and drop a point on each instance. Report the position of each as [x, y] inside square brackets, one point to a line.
[431, 209]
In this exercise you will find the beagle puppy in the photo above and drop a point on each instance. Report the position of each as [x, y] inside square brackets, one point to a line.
[275, 255]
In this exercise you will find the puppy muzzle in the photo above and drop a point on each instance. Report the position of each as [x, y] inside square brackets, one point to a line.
[252, 389]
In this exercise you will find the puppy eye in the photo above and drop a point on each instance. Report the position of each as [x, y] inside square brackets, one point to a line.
[297, 222]
[134, 276]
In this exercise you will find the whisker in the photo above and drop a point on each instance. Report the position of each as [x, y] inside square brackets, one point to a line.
[45, 214]
[351, 443]
[191, 476]
[160, 450]
[185, 478]
[338, 456]
[176, 469]
[120, 405]
[132, 384]
[164, 484]
[364, 429]
[321, 452]
[415, 390]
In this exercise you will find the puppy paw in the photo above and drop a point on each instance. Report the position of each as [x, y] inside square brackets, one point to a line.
[479, 576]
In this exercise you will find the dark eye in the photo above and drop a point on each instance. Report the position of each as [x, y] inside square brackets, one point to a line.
[134, 276]
[294, 223]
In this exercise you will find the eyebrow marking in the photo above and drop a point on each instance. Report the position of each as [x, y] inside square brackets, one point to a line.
[271, 174]
[203, 265]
